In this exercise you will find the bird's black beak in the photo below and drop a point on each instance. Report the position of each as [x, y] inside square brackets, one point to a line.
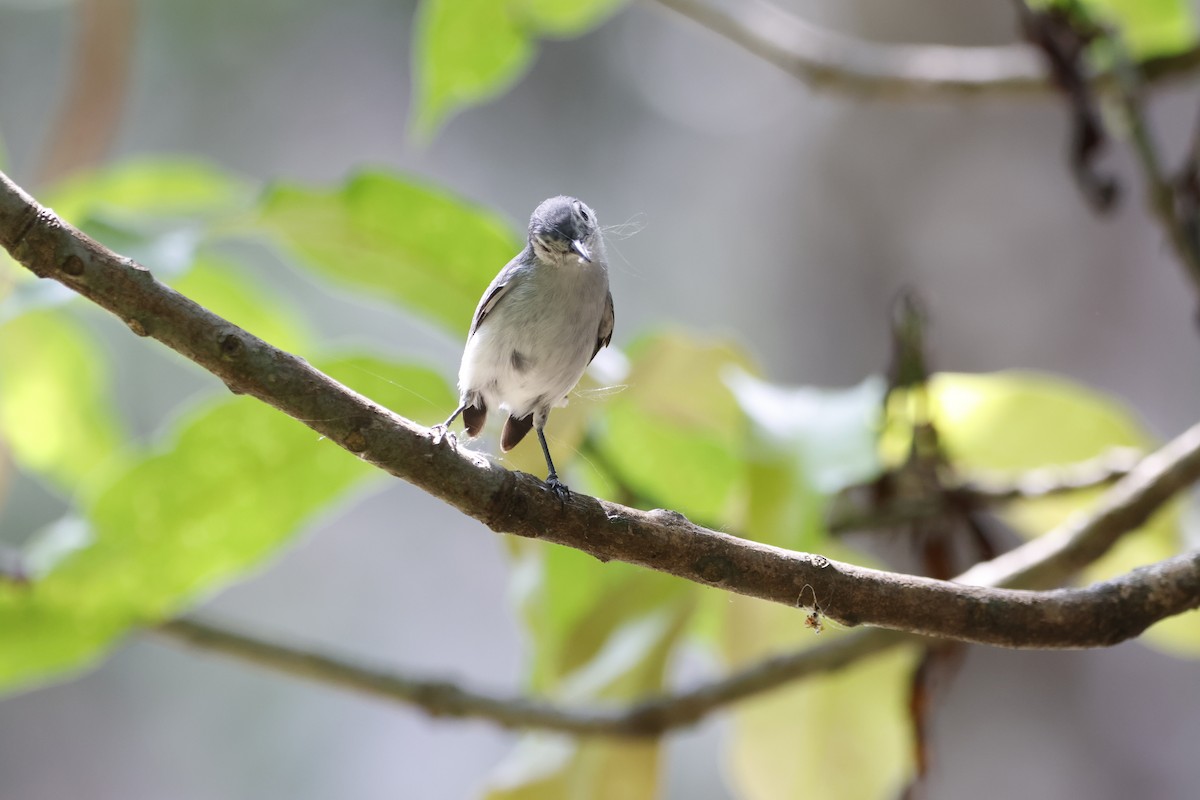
[580, 249]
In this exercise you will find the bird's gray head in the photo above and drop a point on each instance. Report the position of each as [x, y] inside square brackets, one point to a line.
[562, 226]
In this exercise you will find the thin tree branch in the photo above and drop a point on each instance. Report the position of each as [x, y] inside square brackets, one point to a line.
[981, 490]
[1055, 555]
[438, 697]
[828, 60]
[1093, 473]
[1161, 188]
[1129, 504]
[521, 505]
[441, 698]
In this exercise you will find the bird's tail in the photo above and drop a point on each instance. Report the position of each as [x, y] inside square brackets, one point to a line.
[514, 431]
[474, 416]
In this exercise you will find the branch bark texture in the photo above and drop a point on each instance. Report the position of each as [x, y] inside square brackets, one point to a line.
[520, 504]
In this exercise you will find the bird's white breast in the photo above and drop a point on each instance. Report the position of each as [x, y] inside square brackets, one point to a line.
[534, 346]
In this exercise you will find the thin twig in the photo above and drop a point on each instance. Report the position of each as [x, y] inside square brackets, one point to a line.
[980, 490]
[828, 60]
[1093, 473]
[1159, 183]
[438, 697]
[441, 698]
[520, 504]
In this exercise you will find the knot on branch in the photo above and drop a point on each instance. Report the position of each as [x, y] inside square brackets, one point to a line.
[72, 265]
[356, 440]
[714, 569]
[231, 347]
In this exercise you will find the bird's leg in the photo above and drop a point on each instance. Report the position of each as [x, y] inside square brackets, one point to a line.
[557, 486]
[442, 430]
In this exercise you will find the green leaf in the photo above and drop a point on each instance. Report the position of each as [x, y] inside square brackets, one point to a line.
[421, 247]
[418, 393]
[138, 193]
[1015, 421]
[466, 51]
[841, 734]
[548, 767]
[675, 435]
[1149, 28]
[1012, 422]
[806, 444]
[56, 412]
[831, 433]
[156, 211]
[238, 480]
[630, 664]
[469, 51]
[231, 291]
[573, 605]
[565, 18]
[235, 482]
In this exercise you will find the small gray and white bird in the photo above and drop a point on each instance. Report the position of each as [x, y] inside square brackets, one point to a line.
[537, 327]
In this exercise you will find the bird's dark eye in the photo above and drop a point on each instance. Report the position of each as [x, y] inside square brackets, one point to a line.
[583, 212]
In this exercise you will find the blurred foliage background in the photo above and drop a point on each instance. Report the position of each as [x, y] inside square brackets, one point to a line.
[344, 181]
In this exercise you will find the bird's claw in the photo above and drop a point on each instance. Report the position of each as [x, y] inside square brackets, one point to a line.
[558, 487]
[442, 433]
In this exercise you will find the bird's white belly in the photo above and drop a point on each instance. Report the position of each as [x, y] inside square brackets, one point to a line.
[531, 366]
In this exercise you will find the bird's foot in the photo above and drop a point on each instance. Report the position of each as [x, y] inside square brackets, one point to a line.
[558, 487]
[442, 433]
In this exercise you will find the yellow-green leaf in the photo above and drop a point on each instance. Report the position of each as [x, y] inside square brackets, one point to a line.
[675, 435]
[470, 51]
[806, 444]
[549, 767]
[573, 605]
[841, 734]
[1151, 28]
[56, 412]
[466, 51]
[232, 484]
[566, 17]
[227, 289]
[134, 192]
[1011, 422]
[419, 246]
[629, 664]
[418, 393]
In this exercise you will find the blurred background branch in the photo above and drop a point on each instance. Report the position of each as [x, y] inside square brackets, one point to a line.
[1171, 194]
[90, 112]
[856, 512]
[832, 61]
